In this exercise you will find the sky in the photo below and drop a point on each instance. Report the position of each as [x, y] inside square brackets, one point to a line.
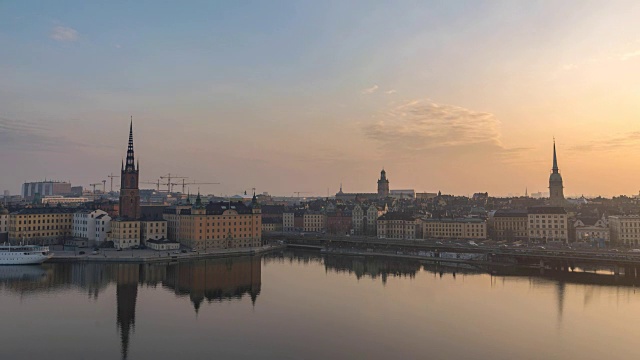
[288, 96]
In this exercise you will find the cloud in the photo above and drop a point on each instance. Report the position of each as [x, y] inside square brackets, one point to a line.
[418, 126]
[392, 91]
[629, 55]
[370, 90]
[35, 136]
[64, 34]
[627, 140]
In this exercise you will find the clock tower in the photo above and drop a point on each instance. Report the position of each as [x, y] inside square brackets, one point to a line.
[129, 176]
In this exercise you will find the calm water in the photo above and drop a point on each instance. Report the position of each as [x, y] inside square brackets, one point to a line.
[298, 305]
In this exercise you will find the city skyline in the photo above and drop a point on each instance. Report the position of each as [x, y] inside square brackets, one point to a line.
[276, 97]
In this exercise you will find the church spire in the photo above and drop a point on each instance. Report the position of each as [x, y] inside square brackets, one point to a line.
[555, 159]
[130, 158]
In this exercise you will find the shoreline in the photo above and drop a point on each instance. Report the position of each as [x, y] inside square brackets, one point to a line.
[157, 256]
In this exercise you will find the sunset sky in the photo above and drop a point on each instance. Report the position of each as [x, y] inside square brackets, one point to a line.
[283, 96]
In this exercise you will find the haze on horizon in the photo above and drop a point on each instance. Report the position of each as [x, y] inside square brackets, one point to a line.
[289, 96]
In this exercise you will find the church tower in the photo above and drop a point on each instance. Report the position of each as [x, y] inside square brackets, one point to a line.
[556, 193]
[383, 185]
[129, 177]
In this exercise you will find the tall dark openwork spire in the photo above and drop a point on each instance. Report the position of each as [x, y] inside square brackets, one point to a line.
[555, 158]
[130, 156]
[129, 179]
[556, 192]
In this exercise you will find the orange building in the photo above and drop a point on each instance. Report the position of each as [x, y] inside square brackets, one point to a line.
[220, 225]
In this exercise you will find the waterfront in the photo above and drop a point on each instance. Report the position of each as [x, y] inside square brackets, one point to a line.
[297, 304]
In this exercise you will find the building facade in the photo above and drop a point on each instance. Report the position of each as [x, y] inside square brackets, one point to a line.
[510, 225]
[45, 188]
[396, 226]
[47, 225]
[288, 221]
[313, 221]
[464, 228]
[591, 229]
[93, 225]
[219, 225]
[625, 230]
[153, 230]
[125, 233]
[548, 223]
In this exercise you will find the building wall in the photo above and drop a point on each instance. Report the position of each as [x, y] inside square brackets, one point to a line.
[84, 224]
[288, 222]
[625, 230]
[125, 233]
[202, 232]
[396, 229]
[45, 227]
[153, 230]
[4, 223]
[314, 222]
[549, 226]
[454, 229]
[510, 228]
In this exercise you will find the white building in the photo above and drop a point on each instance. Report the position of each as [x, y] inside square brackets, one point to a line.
[548, 223]
[625, 229]
[592, 229]
[92, 225]
[288, 221]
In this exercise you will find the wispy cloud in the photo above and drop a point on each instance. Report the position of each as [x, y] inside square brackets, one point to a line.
[627, 140]
[420, 125]
[629, 55]
[392, 91]
[24, 135]
[370, 90]
[64, 34]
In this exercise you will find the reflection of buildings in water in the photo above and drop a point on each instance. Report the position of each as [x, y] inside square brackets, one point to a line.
[372, 266]
[217, 279]
[127, 276]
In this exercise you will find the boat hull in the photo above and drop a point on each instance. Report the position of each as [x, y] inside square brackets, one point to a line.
[9, 258]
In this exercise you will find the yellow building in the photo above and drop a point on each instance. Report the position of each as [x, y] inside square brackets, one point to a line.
[124, 233]
[454, 229]
[45, 225]
[396, 225]
[221, 225]
[153, 230]
[510, 225]
[313, 221]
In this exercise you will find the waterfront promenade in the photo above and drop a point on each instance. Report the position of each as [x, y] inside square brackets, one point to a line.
[148, 255]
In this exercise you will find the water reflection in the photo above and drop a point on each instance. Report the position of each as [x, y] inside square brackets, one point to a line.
[302, 297]
[211, 280]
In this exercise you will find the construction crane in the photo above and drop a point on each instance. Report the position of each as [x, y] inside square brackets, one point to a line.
[184, 184]
[169, 177]
[112, 176]
[94, 186]
[156, 183]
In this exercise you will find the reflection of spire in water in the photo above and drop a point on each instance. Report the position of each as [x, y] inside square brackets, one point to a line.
[560, 288]
[126, 294]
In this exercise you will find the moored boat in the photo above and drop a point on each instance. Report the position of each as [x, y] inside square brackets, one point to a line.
[23, 254]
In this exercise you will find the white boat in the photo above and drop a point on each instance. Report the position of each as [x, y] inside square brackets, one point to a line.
[23, 254]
